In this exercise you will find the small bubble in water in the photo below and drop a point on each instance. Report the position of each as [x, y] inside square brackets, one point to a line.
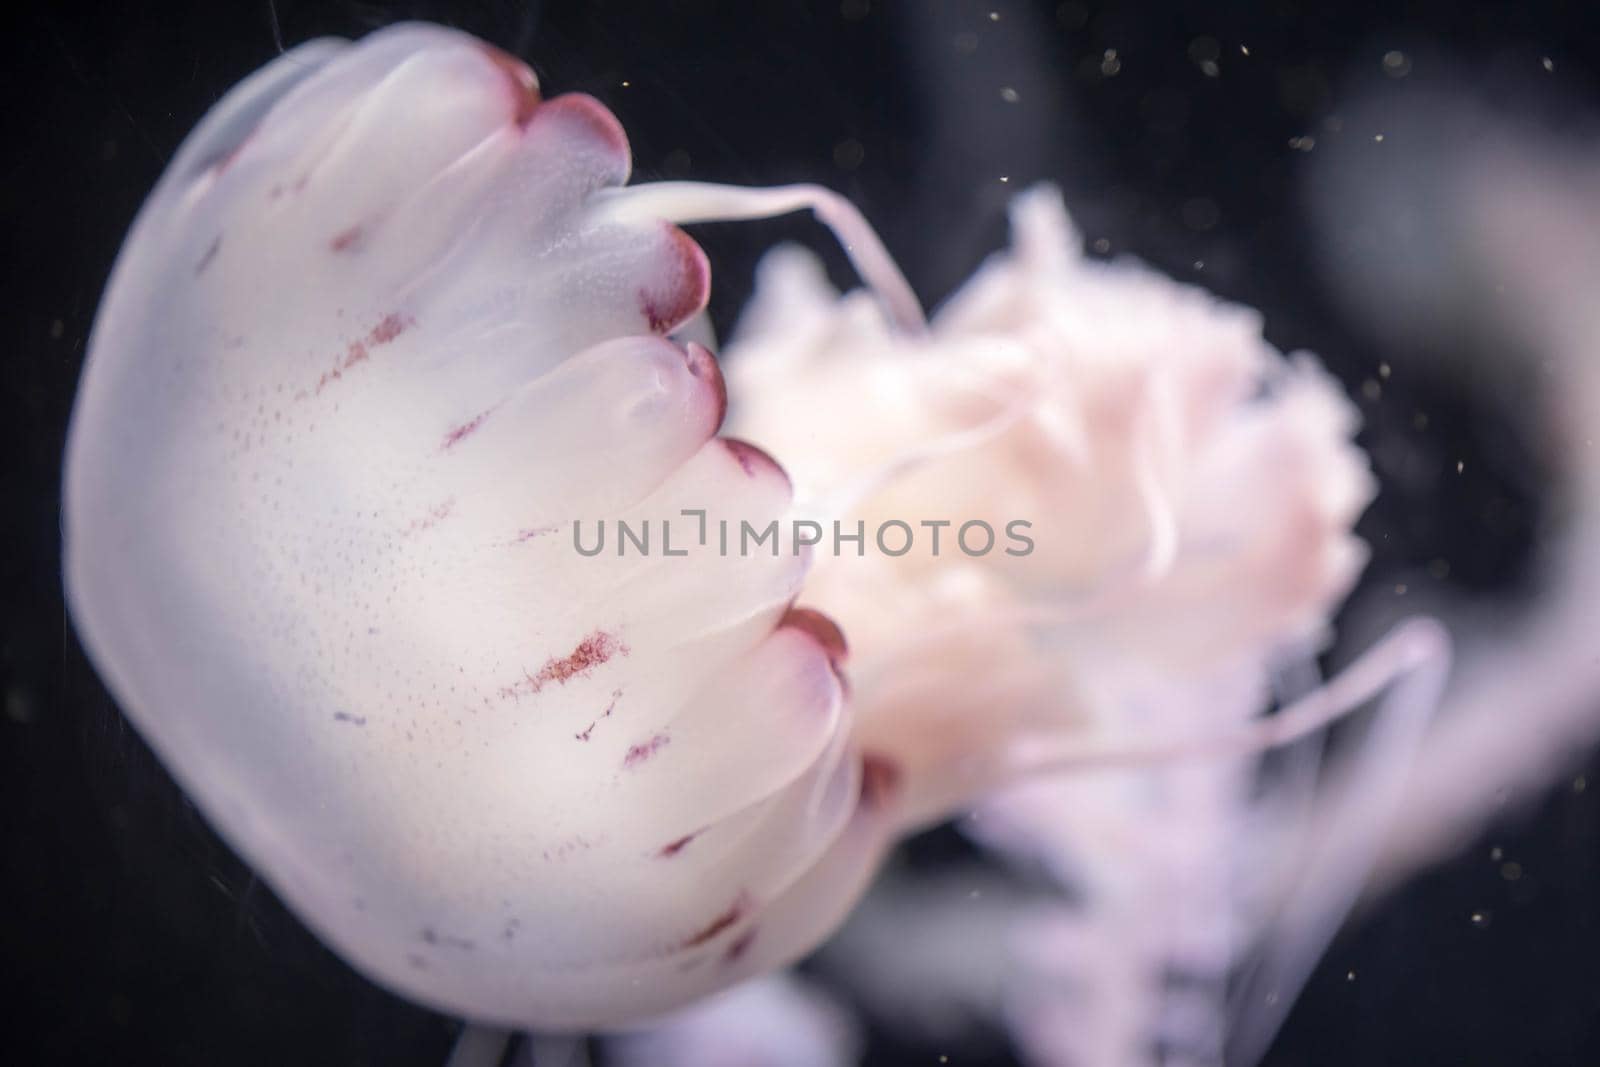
[1396, 64]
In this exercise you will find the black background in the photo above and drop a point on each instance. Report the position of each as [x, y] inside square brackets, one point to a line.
[132, 935]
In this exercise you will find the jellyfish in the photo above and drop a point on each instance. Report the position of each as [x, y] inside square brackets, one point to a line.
[391, 329]
[1489, 231]
[387, 329]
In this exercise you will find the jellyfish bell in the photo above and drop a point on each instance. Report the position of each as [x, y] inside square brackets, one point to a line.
[387, 329]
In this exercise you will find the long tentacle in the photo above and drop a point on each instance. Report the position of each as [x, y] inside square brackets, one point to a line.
[1342, 842]
[1414, 658]
[689, 202]
[479, 1046]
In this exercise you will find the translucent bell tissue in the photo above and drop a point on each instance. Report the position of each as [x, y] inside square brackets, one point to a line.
[387, 327]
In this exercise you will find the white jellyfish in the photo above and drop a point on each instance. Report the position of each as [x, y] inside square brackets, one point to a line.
[386, 329]
[1478, 227]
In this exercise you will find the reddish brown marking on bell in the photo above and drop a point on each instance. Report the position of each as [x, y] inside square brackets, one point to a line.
[210, 254]
[672, 848]
[435, 516]
[735, 912]
[538, 531]
[454, 437]
[616, 695]
[703, 365]
[643, 751]
[687, 285]
[520, 80]
[388, 328]
[880, 778]
[823, 629]
[392, 325]
[753, 460]
[345, 240]
[594, 650]
[652, 316]
[583, 109]
[740, 946]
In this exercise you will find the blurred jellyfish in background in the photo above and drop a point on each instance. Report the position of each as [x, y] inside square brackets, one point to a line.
[1472, 235]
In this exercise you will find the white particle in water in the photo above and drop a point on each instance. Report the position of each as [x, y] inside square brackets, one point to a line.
[1396, 64]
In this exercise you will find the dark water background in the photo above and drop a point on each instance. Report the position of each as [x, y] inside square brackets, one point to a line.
[130, 934]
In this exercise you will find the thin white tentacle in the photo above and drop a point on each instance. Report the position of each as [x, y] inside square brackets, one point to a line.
[479, 1045]
[1343, 838]
[1416, 653]
[690, 202]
